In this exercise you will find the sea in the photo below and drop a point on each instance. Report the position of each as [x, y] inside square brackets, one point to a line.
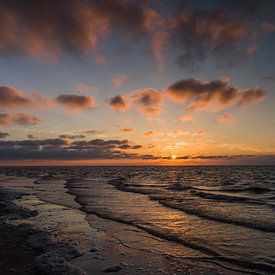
[222, 214]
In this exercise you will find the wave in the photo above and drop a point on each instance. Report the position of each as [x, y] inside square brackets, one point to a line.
[123, 186]
[254, 190]
[229, 198]
[213, 216]
[211, 254]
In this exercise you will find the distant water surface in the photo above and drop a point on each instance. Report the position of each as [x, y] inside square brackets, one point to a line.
[226, 213]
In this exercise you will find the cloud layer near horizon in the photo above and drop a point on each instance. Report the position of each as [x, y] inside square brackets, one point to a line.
[95, 149]
[65, 149]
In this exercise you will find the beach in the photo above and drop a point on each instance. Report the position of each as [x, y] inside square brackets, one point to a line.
[54, 227]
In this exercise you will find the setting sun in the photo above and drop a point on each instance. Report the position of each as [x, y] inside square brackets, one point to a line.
[174, 157]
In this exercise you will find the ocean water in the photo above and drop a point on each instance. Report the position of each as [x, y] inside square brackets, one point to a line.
[225, 214]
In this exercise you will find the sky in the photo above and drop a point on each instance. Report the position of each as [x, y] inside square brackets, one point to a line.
[124, 82]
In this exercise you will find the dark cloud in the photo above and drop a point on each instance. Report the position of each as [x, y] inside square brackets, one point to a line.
[201, 32]
[52, 28]
[76, 102]
[69, 136]
[19, 118]
[216, 93]
[3, 135]
[11, 97]
[62, 149]
[233, 159]
[49, 28]
[118, 103]
[30, 136]
[229, 31]
[92, 132]
[148, 100]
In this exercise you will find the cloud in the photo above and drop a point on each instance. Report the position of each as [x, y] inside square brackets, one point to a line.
[227, 32]
[239, 159]
[51, 29]
[11, 97]
[25, 119]
[177, 133]
[5, 119]
[63, 149]
[200, 133]
[128, 130]
[119, 103]
[148, 100]
[201, 32]
[3, 135]
[268, 27]
[119, 80]
[30, 136]
[69, 136]
[18, 118]
[186, 118]
[226, 118]
[92, 132]
[149, 134]
[216, 94]
[76, 102]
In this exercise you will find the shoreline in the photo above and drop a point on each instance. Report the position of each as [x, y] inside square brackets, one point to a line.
[28, 250]
[86, 246]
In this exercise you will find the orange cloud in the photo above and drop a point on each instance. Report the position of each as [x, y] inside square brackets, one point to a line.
[149, 134]
[119, 103]
[19, 118]
[76, 102]
[128, 130]
[147, 100]
[11, 97]
[186, 118]
[50, 29]
[216, 94]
